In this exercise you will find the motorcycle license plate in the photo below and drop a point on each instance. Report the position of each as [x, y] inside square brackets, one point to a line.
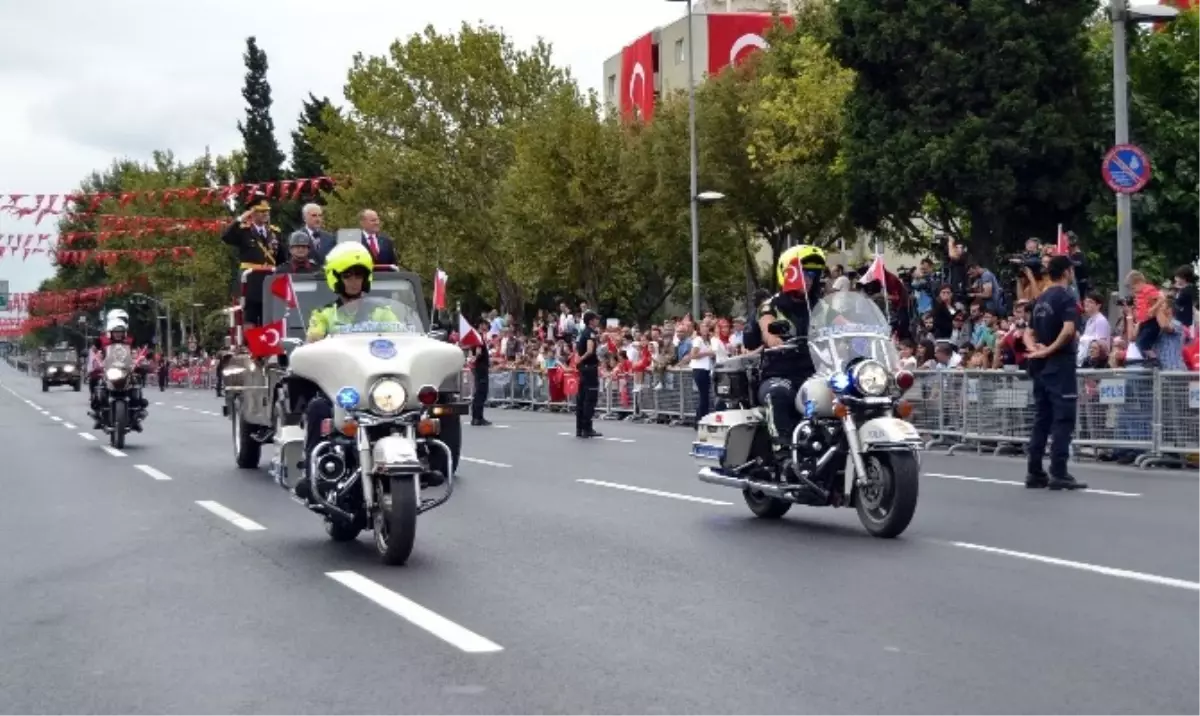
[708, 451]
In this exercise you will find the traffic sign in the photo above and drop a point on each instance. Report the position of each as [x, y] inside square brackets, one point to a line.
[1126, 169]
[3, 295]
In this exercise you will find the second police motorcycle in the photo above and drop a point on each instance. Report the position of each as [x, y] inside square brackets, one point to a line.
[852, 446]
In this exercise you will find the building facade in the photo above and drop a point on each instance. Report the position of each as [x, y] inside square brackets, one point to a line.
[655, 64]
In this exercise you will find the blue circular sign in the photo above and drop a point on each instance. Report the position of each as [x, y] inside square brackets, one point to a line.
[383, 348]
[347, 398]
[1126, 169]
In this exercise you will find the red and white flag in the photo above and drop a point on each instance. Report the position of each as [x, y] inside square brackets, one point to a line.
[281, 288]
[263, 341]
[468, 337]
[875, 272]
[1063, 247]
[793, 278]
[439, 289]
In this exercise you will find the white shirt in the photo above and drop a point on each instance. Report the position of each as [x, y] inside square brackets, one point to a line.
[705, 363]
[1096, 329]
[566, 323]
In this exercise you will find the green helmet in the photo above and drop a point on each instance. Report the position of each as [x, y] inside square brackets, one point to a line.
[344, 257]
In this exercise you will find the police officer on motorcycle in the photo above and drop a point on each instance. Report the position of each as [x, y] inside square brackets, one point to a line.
[348, 269]
[800, 273]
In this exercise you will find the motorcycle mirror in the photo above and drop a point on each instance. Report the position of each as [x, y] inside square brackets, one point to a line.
[779, 328]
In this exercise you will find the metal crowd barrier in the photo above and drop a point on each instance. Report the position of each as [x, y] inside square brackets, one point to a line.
[1153, 416]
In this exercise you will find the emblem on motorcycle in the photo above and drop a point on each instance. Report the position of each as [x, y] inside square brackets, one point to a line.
[383, 348]
[347, 398]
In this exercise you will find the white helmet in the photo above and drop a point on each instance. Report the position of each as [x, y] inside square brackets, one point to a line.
[115, 323]
[118, 313]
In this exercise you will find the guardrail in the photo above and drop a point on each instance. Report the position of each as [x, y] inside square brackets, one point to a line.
[1150, 417]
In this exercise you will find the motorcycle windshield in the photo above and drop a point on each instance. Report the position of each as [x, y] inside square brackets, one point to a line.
[378, 314]
[846, 325]
[118, 356]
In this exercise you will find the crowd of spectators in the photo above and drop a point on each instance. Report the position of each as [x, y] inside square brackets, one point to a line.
[952, 313]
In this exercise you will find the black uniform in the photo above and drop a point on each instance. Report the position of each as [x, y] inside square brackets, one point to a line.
[589, 384]
[483, 362]
[255, 247]
[784, 372]
[1054, 389]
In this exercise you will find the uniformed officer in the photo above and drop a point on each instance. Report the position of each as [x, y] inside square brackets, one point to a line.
[589, 377]
[251, 234]
[479, 370]
[1051, 364]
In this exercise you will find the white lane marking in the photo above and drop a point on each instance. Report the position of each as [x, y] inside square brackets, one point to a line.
[180, 407]
[657, 493]
[501, 427]
[158, 402]
[227, 514]
[112, 451]
[156, 474]
[34, 405]
[87, 436]
[69, 426]
[1109, 493]
[56, 419]
[484, 462]
[45, 412]
[177, 392]
[417, 615]
[1084, 566]
[611, 440]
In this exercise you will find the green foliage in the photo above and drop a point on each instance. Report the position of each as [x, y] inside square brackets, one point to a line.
[986, 106]
[307, 160]
[264, 161]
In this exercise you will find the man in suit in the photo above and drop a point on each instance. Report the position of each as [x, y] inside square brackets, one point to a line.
[322, 241]
[382, 249]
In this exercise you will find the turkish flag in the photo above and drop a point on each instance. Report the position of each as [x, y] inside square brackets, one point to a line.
[636, 92]
[876, 272]
[570, 383]
[732, 37]
[1062, 246]
[267, 340]
[793, 278]
[282, 289]
[439, 289]
[467, 337]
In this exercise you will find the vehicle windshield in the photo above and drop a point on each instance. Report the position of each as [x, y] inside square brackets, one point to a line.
[118, 355]
[377, 314]
[846, 325]
[60, 357]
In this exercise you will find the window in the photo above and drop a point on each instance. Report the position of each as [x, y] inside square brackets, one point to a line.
[612, 87]
[680, 56]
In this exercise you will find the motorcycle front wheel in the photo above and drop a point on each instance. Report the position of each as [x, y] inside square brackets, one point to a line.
[120, 424]
[887, 500]
[396, 519]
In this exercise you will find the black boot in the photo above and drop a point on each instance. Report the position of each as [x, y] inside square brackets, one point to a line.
[1036, 480]
[1066, 482]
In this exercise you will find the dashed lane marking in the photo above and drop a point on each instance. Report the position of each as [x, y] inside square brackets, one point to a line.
[87, 436]
[1014, 483]
[156, 474]
[656, 493]
[417, 615]
[611, 440]
[69, 426]
[1084, 566]
[229, 515]
[112, 451]
[489, 463]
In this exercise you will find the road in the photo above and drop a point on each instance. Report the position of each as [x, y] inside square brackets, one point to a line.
[573, 577]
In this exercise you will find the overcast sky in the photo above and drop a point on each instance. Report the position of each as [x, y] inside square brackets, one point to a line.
[84, 82]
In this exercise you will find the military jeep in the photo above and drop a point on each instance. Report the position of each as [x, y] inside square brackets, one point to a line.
[61, 367]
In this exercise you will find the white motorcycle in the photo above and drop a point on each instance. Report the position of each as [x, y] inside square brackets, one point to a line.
[852, 445]
[393, 389]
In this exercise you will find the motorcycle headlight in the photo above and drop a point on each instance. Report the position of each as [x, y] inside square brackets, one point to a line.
[388, 396]
[871, 378]
[114, 374]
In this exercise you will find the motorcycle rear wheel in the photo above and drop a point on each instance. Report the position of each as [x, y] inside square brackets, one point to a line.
[396, 519]
[887, 508]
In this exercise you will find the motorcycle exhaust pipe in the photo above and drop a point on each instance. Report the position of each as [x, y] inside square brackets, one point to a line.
[707, 474]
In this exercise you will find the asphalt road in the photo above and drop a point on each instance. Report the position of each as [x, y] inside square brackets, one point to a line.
[573, 577]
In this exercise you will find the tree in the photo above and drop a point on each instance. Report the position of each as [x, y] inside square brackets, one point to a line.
[264, 161]
[985, 106]
[1163, 72]
[429, 139]
[307, 160]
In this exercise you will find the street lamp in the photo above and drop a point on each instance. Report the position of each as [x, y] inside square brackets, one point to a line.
[709, 197]
[693, 161]
[1121, 13]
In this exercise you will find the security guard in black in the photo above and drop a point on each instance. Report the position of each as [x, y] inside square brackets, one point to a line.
[1052, 334]
[479, 370]
[589, 377]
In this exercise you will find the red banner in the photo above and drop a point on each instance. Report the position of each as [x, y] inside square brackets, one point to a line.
[40, 206]
[637, 79]
[732, 37]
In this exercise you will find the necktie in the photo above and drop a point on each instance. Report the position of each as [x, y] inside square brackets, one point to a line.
[374, 246]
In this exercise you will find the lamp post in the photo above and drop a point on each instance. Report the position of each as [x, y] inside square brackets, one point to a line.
[1120, 13]
[693, 161]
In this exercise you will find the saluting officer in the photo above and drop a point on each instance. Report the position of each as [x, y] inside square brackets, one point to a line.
[251, 234]
[589, 377]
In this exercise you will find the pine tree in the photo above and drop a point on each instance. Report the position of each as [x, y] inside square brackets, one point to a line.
[307, 160]
[264, 161]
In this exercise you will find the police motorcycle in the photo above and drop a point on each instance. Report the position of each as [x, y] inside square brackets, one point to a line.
[853, 446]
[393, 387]
[119, 394]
